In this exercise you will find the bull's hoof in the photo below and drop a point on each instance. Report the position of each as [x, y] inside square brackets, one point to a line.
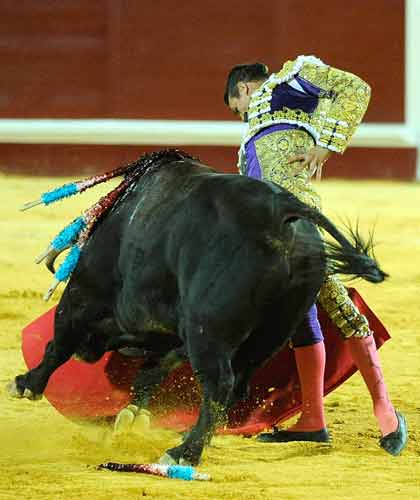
[28, 394]
[17, 392]
[125, 419]
[183, 461]
[166, 459]
[143, 420]
[13, 390]
[179, 456]
[130, 416]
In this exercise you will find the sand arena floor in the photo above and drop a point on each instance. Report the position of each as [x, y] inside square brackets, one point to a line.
[44, 456]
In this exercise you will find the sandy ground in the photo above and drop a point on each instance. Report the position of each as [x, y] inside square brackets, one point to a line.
[44, 456]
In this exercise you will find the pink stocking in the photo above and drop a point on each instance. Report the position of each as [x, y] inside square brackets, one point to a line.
[310, 361]
[366, 357]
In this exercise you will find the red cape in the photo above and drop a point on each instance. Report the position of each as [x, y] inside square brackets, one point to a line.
[86, 391]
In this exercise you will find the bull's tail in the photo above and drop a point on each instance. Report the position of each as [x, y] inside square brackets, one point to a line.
[349, 255]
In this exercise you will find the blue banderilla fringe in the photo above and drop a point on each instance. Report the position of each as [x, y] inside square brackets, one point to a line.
[69, 234]
[64, 271]
[59, 193]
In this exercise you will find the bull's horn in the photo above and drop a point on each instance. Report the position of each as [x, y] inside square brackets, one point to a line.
[31, 204]
[44, 254]
[51, 290]
[50, 255]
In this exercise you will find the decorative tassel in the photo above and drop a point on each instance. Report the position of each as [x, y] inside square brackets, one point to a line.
[64, 271]
[52, 196]
[69, 234]
[77, 233]
[185, 472]
[76, 187]
[65, 238]
[59, 193]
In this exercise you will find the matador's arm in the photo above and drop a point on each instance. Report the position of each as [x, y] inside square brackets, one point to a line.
[343, 107]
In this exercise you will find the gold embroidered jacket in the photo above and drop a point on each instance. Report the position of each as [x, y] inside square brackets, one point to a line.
[342, 102]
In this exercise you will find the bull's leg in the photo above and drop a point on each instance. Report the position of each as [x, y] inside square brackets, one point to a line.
[147, 381]
[145, 384]
[212, 365]
[67, 336]
[281, 319]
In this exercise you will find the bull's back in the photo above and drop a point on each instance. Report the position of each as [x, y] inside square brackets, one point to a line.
[186, 212]
[226, 246]
[184, 223]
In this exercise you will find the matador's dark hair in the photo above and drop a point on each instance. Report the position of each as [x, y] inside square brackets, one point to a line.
[243, 73]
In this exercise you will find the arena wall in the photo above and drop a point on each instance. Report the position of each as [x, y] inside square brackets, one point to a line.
[160, 60]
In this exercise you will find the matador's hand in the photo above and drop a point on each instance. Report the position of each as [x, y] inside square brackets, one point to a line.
[314, 159]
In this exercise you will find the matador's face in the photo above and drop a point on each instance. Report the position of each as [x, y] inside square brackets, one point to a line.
[239, 105]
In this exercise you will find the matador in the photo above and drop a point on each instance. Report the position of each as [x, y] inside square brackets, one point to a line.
[296, 119]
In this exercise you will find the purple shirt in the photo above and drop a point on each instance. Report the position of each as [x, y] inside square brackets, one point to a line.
[284, 96]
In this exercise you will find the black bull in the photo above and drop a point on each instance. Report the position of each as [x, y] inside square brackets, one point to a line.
[223, 265]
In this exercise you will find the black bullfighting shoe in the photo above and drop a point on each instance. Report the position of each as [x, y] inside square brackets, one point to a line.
[278, 436]
[396, 441]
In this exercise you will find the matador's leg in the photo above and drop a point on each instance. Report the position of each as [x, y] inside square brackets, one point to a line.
[271, 153]
[355, 328]
[309, 349]
[336, 302]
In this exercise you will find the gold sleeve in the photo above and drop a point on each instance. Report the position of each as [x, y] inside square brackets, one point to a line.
[343, 102]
